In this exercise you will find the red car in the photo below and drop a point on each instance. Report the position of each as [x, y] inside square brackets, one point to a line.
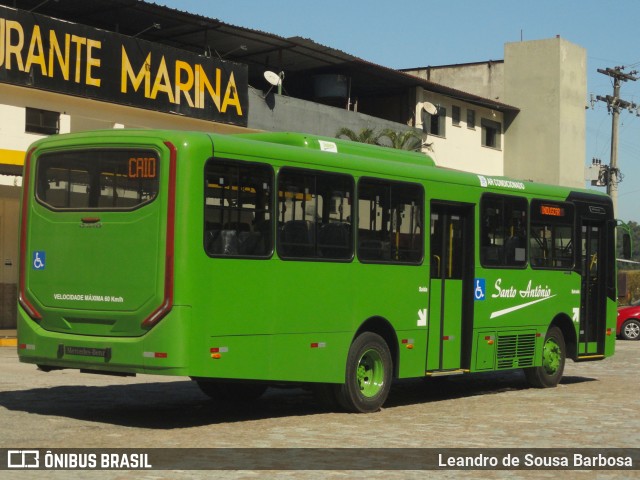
[629, 321]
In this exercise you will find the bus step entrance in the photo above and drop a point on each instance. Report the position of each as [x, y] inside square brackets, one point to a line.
[443, 373]
[586, 358]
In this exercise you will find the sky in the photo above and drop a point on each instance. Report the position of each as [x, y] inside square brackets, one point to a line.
[418, 33]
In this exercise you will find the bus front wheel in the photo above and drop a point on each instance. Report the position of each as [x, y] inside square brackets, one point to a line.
[368, 375]
[553, 359]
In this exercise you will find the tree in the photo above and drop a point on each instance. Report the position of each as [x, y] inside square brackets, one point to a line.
[634, 230]
[366, 135]
[407, 140]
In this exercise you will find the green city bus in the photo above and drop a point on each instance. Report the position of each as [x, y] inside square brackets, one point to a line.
[258, 259]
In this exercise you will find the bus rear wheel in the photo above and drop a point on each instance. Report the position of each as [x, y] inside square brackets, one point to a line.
[553, 358]
[368, 375]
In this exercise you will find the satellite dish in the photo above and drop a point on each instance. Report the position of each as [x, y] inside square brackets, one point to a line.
[430, 108]
[273, 78]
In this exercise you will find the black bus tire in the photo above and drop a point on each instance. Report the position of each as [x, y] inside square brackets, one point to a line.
[554, 353]
[368, 375]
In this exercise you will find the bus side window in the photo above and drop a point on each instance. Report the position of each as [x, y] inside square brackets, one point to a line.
[297, 239]
[314, 213]
[503, 231]
[552, 232]
[391, 221]
[237, 209]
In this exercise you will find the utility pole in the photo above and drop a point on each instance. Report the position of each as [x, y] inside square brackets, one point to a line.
[614, 105]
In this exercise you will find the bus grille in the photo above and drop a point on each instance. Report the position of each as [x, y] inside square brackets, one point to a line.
[517, 350]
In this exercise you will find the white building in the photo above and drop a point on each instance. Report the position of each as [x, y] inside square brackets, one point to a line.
[547, 81]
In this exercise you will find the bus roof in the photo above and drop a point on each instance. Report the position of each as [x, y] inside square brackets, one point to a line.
[305, 149]
[337, 145]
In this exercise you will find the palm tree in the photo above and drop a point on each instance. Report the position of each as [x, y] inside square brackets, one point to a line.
[407, 140]
[366, 135]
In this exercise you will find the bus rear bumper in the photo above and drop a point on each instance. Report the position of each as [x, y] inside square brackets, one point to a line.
[160, 351]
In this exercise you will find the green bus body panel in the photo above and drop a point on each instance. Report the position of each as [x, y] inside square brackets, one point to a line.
[131, 355]
[485, 350]
[108, 276]
[452, 333]
[271, 319]
[296, 304]
[434, 331]
[610, 340]
[514, 298]
[100, 278]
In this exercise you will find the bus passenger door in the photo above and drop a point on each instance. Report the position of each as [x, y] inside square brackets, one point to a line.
[592, 302]
[450, 309]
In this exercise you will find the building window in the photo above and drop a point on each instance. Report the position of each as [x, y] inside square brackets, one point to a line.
[455, 115]
[435, 124]
[42, 121]
[471, 118]
[491, 133]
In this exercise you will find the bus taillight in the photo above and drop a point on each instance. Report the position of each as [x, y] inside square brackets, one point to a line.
[167, 303]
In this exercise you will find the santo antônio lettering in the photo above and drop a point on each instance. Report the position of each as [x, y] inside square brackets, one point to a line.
[41, 52]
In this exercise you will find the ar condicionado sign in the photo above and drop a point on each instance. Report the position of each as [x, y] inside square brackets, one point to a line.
[45, 53]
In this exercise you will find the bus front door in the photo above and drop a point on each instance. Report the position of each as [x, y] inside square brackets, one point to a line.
[592, 303]
[449, 325]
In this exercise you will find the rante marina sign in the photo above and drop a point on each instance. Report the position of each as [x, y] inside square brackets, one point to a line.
[41, 52]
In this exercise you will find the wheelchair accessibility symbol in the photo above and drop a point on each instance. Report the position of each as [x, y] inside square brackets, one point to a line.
[479, 289]
[39, 259]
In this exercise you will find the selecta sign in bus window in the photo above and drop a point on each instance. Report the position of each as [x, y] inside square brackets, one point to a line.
[97, 179]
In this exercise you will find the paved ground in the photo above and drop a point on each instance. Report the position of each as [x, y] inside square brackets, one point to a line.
[596, 405]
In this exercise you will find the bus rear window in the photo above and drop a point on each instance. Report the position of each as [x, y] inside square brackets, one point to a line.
[97, 179]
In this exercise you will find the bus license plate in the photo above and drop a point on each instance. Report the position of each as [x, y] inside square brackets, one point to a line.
[88, 352]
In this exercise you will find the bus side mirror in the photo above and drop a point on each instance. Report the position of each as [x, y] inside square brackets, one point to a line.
[626, 246]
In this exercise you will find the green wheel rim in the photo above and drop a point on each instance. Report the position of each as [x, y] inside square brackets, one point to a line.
[370, 373]
[551, 356]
